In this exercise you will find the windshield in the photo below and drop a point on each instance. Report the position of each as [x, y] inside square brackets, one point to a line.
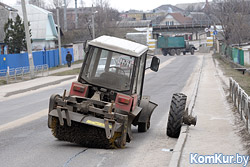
[108, 69]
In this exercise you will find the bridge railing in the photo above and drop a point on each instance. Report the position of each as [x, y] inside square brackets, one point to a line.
[186, 24]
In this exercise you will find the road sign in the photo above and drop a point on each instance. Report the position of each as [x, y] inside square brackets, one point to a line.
[209, 41]
[215, 32]
[206, 29]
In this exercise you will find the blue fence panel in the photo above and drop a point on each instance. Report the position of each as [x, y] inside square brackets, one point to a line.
[17, 60]
[14, 60]
[56, 52]
[3, 62]
[39, 58]
[50, 57]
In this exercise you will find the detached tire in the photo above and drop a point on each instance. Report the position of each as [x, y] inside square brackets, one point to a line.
[175, 117]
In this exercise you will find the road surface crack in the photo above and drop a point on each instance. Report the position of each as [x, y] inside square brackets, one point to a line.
[67, 163]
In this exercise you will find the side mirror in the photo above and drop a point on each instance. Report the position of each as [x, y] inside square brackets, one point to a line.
[155, 64]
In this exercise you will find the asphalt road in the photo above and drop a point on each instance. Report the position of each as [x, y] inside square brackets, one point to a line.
[31, 143]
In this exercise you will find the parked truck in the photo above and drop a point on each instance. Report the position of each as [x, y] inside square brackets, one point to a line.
[174, 45]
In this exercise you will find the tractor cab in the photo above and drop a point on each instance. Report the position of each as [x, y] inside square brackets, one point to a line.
[115, 64]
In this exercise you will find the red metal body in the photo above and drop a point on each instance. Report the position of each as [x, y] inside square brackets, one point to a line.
[123, 102]
[78, 89]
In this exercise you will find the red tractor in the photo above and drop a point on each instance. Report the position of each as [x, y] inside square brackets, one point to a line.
[106, 100]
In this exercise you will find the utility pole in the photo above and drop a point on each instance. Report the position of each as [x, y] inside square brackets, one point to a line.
[76, 16]
[59, 36]
[93, 23]
[27, 34]
[65, 16]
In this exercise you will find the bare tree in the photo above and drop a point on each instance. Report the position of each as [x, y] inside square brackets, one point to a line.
[106, 18]
[190, 8]
[39, 3]
[233, 16]
[82, 4]
[18, 2]
[59, 3]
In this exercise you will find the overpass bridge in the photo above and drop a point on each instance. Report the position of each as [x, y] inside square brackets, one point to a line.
[194, 30]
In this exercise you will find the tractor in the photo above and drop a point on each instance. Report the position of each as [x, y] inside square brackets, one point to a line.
[106, 100]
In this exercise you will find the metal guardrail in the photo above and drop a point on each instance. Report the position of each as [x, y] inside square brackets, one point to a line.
[21, 73]
[241, 101]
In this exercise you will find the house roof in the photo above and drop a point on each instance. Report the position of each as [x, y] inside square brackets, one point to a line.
[119, 45]
[41, 22]
[9, 8]
[180, 18]
[198, 5]
[168, 9]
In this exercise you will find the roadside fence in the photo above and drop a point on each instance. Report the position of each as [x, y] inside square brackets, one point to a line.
[241, 101]
[22, 73]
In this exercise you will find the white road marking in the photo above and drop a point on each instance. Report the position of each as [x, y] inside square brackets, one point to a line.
[23, 120]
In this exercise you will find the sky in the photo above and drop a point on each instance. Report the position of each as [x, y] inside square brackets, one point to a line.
[124, 5]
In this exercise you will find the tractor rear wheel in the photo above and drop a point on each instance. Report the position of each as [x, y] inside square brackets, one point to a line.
[175, 117]
[144, 126]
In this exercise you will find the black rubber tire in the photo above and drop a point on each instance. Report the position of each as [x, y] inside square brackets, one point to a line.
[164, 52]
[172, 52]
[178, 52]
[144, 126]
[184, 53]
[192, 51]
[175, 117]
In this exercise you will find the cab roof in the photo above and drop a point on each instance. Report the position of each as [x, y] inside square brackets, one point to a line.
[119, 45]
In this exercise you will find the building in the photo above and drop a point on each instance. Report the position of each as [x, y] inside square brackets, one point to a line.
[168, 9]
[176, 19]
[140, 16]
[6, 12]
[200, 18]
[42, 25]
[192, 6]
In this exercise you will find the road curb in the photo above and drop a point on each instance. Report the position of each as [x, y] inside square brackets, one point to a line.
[178, 149]
[38, 86]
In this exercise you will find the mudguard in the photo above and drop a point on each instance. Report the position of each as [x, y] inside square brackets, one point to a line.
[147, 109]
